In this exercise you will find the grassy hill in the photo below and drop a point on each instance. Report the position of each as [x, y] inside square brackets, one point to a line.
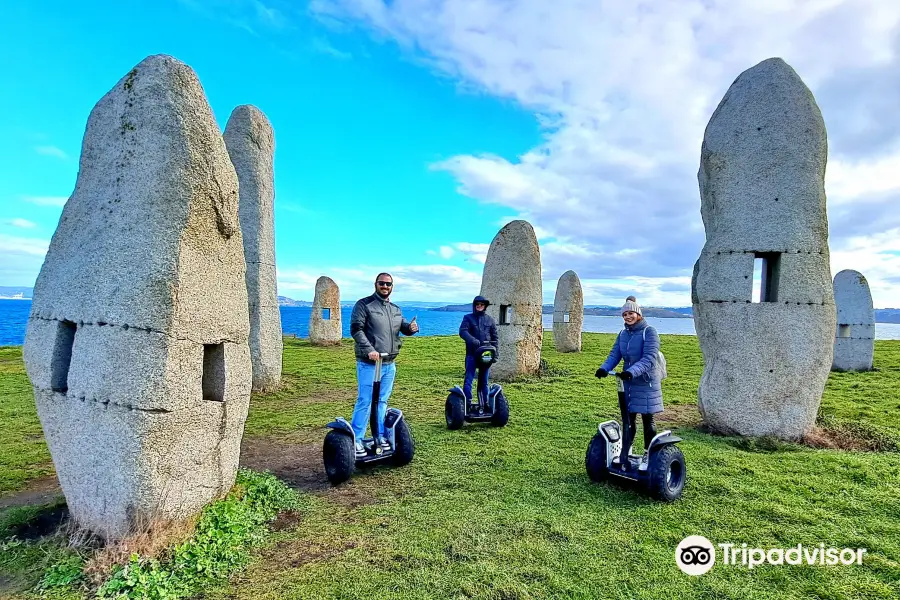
[510, 513]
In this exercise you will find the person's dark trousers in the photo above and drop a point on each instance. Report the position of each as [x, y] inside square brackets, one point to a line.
[631, 431]
[470, 376]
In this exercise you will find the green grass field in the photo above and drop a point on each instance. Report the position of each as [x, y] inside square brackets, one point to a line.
[510, 513]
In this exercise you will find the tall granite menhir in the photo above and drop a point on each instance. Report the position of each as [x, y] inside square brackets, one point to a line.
[762, 194]
[325, 319]
[511, 282]
[854, 341]
[137, 340]
[568, 313]
[250, 141]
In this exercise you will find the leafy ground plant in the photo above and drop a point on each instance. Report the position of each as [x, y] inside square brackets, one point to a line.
[223, 541]
[226, 533]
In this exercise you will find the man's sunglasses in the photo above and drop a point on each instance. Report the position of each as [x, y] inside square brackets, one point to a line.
[384, 283]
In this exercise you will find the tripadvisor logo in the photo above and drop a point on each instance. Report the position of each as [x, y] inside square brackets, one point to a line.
[696, 555]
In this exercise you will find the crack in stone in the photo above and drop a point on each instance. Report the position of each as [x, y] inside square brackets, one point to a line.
[127, 327]
[107, 402]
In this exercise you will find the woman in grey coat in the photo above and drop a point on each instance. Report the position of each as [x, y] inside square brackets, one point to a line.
[637, 345]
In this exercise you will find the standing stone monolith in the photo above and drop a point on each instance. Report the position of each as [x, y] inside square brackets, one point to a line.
[250, 141]
[137, 340]
[854, 341]
[325, 320]
[511, 282]
[568, 313]
[762, 193]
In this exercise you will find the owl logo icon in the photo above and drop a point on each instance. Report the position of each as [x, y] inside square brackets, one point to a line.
[695, 555]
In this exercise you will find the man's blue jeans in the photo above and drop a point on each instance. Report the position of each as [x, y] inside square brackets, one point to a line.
[470, 376]
[365, 377]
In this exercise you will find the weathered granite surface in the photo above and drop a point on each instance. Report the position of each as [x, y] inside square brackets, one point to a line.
[762, 195]
[512, 279]
[137, 340]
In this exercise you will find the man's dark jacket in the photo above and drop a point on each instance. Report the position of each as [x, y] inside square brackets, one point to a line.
[376, 324]
[478, 327]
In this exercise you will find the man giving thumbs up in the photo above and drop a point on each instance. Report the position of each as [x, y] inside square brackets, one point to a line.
[376, 325]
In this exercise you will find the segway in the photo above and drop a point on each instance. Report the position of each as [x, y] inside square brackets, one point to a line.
[489, 403]
[660, 471]
[339, 449]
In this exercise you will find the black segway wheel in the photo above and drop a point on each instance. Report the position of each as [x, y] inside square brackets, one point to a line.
[501, 410]
[667, 473]
[595, 459]
[339, 456]
[455, 411]
[405, 444]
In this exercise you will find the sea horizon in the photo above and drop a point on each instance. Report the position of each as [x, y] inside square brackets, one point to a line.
[295, 322]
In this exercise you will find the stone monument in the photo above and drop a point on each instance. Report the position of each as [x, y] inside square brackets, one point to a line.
[250, 141]
[761, 177]
[511, 282]
[136, 345]
[568, 313]
[854, 341]
[325, 320]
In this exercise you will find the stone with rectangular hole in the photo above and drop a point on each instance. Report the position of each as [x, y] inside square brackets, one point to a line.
[137, 341]
[511, 282]
[568, 313]
[761, 177]
[854, 343]
[325, 330]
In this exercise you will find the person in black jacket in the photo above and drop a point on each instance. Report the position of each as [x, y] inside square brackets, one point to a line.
[477, 329]
[376, 325]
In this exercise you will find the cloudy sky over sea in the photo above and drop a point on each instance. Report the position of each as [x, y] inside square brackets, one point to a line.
[409, 131]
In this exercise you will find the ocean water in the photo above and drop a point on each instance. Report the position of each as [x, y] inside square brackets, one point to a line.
[295, 321]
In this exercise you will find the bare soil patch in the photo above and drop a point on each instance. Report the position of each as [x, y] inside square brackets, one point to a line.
[299, 464]
[844, 439]
[682, 415]
[42, 490]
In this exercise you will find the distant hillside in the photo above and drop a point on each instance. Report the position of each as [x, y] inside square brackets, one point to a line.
[285, 301]
[887, 315]
[603, 311]
[12, 291]
[882, 315]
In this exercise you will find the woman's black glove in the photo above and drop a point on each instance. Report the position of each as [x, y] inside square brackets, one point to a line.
[601, 372]
[625, 376]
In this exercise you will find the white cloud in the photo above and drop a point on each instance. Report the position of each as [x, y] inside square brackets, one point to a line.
[323, 46]
[10, 244]
[846, 181]
[21, 259]
[475, 253]
[446, 251]
[427, 283]
[51, 151]
[21, 223]
[46, 200]
[624, 91]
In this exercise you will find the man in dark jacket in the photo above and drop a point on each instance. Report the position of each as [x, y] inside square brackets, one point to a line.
[477, 329]
[376, 325]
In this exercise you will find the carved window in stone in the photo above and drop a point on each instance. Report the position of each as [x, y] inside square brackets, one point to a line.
[214, 372]
[506, 311]
[62, 356]
[565, 317]
[843, 331]
[766, 268]
[326, 314]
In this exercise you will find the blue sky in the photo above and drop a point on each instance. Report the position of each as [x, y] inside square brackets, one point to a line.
[408, 132]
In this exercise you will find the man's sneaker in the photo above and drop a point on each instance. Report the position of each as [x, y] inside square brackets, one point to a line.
[360, 450]
[384, 443]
